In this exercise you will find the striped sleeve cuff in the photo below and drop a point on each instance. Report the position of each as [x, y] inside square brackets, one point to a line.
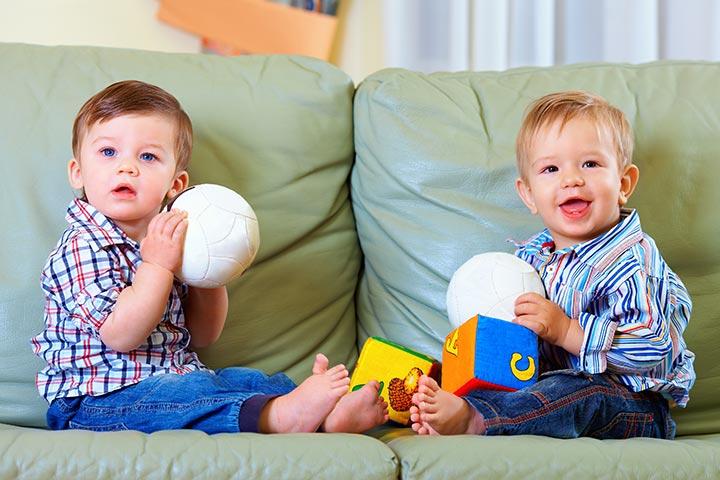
[597, 340]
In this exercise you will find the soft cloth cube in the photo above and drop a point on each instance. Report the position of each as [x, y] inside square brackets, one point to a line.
[398, 370]
[488, 353]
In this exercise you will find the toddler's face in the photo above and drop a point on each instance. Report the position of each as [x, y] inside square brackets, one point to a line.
[574, 181]
[127, 168]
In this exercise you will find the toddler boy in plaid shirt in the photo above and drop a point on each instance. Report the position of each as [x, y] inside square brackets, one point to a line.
[120, 329]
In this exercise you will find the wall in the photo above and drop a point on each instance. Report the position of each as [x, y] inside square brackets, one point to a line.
[359, 45]
[132, 24]
[110, 23]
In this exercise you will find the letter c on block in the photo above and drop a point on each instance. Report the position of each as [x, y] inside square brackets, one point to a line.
[451, 343]
[522, 375]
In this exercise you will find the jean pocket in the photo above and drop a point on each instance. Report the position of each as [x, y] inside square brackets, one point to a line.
[110, 427]
[627, 425]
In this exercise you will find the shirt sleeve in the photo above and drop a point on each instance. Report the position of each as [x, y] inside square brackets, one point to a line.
[87, 283]
[182, 289]
[630, 332]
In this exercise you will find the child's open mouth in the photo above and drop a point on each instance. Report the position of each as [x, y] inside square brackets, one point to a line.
[123, 191]
[575, 207]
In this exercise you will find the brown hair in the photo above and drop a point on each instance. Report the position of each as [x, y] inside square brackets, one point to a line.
[565, 106]
[135, 97]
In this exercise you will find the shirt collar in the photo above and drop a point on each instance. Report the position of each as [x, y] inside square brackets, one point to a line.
[627, 232]
[96, 228]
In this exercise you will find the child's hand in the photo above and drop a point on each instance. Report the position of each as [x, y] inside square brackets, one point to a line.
[546, 319]
[163, 243]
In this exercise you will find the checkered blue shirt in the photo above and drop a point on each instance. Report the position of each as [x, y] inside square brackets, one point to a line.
[91, 264]
[632, 307]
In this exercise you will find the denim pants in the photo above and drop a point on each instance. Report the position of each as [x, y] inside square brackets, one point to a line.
[571, 404]
[227, 400]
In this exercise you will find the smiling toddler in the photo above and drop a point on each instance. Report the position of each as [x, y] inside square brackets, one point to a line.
[612, 354]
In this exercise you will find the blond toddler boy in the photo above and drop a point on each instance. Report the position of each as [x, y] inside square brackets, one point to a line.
[612, 353]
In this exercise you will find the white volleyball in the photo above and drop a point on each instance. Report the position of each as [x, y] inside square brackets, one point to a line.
[488, 285]
[222, 238]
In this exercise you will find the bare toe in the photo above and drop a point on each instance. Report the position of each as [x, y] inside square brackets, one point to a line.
[321, 364]
[337, 371]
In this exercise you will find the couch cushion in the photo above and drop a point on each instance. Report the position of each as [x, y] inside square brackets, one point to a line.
[433, 185]
[528, 456]
[276, 129]
[33, 453]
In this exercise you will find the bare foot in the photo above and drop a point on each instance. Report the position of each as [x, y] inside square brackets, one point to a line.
[358, 411]
[305, 408]
[437, 412]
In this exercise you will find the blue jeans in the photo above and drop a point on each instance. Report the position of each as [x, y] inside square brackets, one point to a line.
[229, 400]
[571, 404]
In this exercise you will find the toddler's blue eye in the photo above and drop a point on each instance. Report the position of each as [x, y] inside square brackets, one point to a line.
[108, 152]
[148, 157]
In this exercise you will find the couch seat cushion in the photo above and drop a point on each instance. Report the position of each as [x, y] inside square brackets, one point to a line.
[188, 454]
[527, 456]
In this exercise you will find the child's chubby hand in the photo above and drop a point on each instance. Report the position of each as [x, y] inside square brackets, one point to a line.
[163, 243]
[543, 317]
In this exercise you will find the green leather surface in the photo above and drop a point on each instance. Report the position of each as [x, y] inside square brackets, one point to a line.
[433, 185]
[527, 456]
[191, 455]
[277, 129]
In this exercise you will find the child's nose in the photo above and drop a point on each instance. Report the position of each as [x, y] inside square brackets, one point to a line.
[127, 166]
[573, 178]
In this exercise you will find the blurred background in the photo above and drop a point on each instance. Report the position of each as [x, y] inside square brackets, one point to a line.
[363, 36]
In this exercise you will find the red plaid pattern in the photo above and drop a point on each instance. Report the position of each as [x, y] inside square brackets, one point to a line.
[91, 264]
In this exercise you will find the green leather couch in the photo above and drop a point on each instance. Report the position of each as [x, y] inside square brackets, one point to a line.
[368, 200]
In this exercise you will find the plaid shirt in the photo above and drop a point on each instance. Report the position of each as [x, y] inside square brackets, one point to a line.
[633, 309]
[91, 264]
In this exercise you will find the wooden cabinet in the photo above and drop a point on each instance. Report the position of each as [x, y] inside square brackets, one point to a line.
[253, 26]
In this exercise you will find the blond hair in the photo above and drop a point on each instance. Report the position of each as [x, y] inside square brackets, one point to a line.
[135, 97]
[568, 105]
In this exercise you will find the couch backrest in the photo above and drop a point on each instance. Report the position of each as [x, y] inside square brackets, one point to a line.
[276, 129]
[433, 184]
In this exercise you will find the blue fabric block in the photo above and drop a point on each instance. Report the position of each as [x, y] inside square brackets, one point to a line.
[506, 354]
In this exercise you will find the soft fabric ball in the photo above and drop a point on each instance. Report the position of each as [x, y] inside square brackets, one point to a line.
[488, 285]
[222, 238]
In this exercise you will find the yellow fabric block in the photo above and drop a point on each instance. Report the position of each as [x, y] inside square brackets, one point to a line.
[398, 370]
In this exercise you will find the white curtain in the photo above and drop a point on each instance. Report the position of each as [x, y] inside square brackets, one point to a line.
[442, 35]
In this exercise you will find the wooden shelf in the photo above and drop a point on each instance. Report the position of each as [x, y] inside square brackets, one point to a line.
[254, 26]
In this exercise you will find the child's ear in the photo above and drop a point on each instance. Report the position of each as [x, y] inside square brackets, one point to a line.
[179, 184]
[523, 190]
[628, 182]
[74, 174]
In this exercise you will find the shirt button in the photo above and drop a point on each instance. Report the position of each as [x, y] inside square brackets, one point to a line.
[550, 268]
[82, 298]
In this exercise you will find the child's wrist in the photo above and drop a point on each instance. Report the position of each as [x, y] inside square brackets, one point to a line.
[158, 269]
[573, 337]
